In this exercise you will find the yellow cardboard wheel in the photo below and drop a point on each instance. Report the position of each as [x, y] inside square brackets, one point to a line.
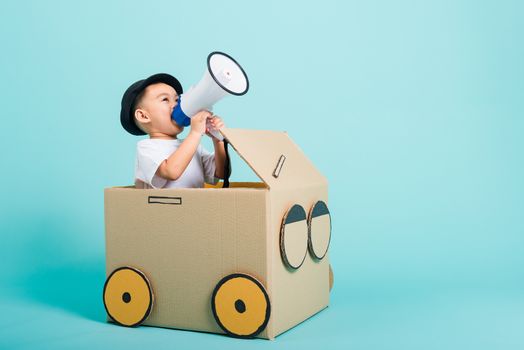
[128, 298]
[241, 305]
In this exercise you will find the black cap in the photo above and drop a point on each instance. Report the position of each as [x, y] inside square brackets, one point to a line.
[127, 117]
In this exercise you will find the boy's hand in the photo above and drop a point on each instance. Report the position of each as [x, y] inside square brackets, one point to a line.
[214, 123]
[198, 122]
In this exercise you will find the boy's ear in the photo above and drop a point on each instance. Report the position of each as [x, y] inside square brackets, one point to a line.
[141, 116]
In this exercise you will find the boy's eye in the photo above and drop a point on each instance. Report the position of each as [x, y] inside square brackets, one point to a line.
[165, 99]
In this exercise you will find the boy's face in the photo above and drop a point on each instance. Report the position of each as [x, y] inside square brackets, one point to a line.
[155, 108]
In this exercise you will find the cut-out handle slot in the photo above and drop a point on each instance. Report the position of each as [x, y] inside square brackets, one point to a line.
[278, 168]
[164, 200]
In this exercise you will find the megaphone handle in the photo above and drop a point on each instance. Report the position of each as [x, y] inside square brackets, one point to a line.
[216, 134]
[214, 131]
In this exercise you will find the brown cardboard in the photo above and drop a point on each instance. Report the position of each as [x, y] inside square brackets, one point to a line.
[186, 240]
[261, 149]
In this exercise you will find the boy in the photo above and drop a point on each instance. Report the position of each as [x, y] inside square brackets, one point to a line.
[163, 160]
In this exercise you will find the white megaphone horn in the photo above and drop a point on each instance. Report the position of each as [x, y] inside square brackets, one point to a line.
[224, 76]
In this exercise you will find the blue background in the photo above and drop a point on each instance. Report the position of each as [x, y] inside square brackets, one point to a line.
[412, 109]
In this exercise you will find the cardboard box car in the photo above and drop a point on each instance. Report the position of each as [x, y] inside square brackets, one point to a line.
[249, 260]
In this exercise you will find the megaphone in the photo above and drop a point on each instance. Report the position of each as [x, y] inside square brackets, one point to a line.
[224, 76]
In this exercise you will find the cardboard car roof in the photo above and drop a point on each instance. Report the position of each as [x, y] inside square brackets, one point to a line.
[274, 157]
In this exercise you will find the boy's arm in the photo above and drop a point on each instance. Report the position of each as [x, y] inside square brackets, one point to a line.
[174, 166]
[220, 158]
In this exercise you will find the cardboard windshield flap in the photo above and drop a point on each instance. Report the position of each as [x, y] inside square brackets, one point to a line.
[214, 259]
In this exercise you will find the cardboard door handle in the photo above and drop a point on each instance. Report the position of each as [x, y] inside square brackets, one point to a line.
[164, 200]
[278, 168]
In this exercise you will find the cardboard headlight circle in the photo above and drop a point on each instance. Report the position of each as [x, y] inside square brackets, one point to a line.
[331, 278]
[240, 305]
[319, 235]
[294, 237]
[128, 298]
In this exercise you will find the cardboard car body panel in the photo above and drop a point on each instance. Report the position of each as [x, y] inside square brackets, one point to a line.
[186, 240]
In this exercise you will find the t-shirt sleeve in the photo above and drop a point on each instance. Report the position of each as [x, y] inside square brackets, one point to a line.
[149, 157]
[208, 161]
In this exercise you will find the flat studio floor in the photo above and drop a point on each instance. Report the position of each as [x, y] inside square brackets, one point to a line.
[66, 312]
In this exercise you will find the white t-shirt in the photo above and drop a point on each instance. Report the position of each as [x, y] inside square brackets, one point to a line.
[150, 153]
